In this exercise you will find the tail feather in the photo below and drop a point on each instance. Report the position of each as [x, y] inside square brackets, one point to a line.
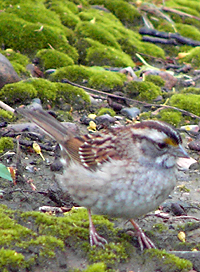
[47, 123]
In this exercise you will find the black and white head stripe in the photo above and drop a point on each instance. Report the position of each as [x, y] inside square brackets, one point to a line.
[158, 131]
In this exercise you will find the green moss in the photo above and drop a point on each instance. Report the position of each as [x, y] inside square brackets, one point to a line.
[35, 13]
[142, 90]
[157, 80]
[46, 90]
[10, 260]
[65, 115]
[159, 227]
[192, 4]
[78, 2]
[37, 36]
[64, 4]
[11, 232]
[103, 18]
[75, 96]
[129, 40]
[111, 255]
[106, 55]
[97, 267]
[124, 11]
[15, 57]
[192, 90]
[96, 32]
[53, 58]
[74, 73]
[47, 244]
[6, 115]
[188, 102]
[66, 11]
[6, 143]
[171, 116]
[193, 57]
[188, 31]
[109, 111]
[106, 80]
[131, 44]
[20, 70]
[145, 115]
[72, 228]
[14, 235]
[9, 91]
[168, 262]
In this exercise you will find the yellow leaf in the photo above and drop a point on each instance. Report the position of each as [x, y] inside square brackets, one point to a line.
[181, 236]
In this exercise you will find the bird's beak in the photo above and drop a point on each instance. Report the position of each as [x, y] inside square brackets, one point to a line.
[181, 152]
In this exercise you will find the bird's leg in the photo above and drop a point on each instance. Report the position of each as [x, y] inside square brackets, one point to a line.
[143, 240]
[95, 238]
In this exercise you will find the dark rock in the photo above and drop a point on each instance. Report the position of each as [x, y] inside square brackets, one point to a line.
[7, 72]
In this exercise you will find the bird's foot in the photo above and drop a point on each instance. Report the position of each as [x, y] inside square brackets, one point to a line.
[143, 240]
[96, 239]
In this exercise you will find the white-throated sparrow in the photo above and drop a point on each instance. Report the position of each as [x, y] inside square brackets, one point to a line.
[122, 172]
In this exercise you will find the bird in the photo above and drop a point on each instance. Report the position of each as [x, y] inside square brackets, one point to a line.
[124, 171]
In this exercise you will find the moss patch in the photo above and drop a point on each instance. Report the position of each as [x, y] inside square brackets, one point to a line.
[74, 73]
[66, 10]
[168, 262]
[20, 70]
[53, 59]
[75, 96]
[171, 116]
[96, 32]
[15, 57]
[142, 90]
[107, 81]
[102, 55]
[157, 80]
[126, 12]
[193, 57]
[32, 36]
[188, 102]
[90, 76]
[9, 91]
[103, 111]
[6, 143]
[6, 116]
[10, 260]
[49, 92]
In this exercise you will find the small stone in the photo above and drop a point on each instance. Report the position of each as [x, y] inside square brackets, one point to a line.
[105, 118]
[130, 112]
[194, 145]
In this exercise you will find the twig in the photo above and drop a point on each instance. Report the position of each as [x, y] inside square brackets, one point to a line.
[181, 13]
[105, 95]
[6, 107]
[166, 216]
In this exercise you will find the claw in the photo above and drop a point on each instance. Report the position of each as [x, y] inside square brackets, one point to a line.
[95, 238]
[143, 240]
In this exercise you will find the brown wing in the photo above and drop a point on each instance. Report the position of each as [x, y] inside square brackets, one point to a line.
[90, 150]
[97, 149]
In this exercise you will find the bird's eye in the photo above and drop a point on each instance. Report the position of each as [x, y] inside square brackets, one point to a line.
[162, 145]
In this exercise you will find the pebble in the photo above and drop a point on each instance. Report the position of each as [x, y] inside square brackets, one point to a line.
[130, 112]
[105, 118]
[194, 145]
